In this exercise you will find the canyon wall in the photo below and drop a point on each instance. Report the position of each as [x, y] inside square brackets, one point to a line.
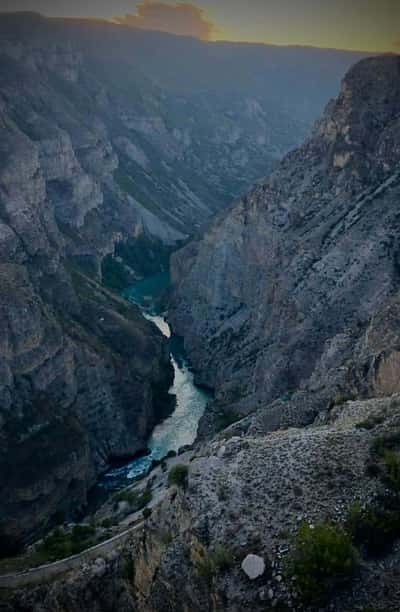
[294, 292]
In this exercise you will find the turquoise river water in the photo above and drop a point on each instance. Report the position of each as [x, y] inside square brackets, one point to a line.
[180, 428]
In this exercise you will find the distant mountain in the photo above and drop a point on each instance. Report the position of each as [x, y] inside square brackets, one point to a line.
[166, 129]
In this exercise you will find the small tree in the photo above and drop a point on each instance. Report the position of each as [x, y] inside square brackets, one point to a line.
[146, 513]
[391, 460]
[322, 556]
[178, 475]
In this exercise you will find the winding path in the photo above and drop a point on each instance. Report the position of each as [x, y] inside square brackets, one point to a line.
[37, 575]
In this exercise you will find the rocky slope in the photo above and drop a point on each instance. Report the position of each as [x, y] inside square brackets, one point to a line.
[83, 377]
[246, 496]
[294, 293]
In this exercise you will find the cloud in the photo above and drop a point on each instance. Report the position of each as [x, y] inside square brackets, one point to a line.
[181, 18]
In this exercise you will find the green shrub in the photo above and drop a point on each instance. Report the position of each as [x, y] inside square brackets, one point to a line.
[389, 441]
[205, 568]
[391, 461]
[222, 491]
[167, 538]
[126, 568]
[113, 274]
[59, 544]
[215, 561]
[385, 460]
[225, 419]
[371, 422]
[146, 513]
[322, 556]
[221, 558]
[339, 399]
[83, 532]
[135, 499]
[178, 475]
[374, 529]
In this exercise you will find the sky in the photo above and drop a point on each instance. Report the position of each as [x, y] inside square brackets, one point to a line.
[370, 25]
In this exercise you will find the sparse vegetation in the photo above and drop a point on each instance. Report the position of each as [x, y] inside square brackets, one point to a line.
[323, 556]
[374, 530]
[113, 273]
[178, 475]
[212, 562]
[225, 419]
[136, 500]
[60, 544]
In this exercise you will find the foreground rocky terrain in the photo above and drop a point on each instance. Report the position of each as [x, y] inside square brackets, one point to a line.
[246, 495]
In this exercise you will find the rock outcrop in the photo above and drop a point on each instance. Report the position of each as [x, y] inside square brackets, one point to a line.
[293, 295]
[83, 377]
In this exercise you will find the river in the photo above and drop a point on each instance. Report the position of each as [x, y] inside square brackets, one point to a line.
[180, 428]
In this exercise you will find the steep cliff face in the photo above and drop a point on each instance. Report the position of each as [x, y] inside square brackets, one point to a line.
[83, 377]
[296, 288]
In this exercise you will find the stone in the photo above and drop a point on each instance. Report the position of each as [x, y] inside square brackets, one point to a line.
[253, 566]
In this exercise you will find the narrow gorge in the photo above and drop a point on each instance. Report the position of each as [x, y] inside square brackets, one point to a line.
[199, 323]
[107, 164]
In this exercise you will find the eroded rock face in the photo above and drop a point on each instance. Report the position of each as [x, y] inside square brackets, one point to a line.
[83, 377]
[286, 293]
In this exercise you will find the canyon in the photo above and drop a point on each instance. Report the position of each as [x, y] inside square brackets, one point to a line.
[110, 158]
[286, 299]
